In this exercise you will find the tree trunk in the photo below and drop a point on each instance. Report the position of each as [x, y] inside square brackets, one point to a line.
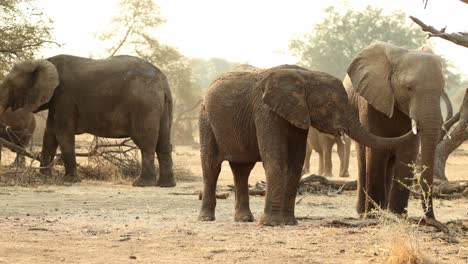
[457, 136]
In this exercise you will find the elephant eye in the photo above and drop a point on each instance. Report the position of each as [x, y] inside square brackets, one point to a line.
[409, 89]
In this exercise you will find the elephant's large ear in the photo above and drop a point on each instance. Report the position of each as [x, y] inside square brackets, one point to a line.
[283, 91]
[43, 79]
[370, 73]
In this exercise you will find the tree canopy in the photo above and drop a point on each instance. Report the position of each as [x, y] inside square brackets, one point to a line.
[333, 43]
[23, 31]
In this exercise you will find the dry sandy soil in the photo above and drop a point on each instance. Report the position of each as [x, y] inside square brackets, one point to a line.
[106, 222]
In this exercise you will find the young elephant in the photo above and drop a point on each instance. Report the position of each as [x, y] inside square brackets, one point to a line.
[117, 97]
[17, 127]
[323, 144]
[264, 115]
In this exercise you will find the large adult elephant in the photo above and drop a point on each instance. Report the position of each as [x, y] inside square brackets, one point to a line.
[117, 97]
[253, 115]
[17, 127]
[395, 89]
[323, 144]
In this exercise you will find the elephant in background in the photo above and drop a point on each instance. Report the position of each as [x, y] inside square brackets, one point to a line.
[253, 115]
[323, 144]
[117, 97]
[395, 89]
[17, 127]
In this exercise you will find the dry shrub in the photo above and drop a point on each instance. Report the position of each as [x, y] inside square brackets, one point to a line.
[404, 249]
[400, 240]
[29, 176]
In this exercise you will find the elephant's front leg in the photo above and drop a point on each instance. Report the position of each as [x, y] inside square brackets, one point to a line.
[274, 152]
[276, 178]
[295, 159]
[66, 143]
[376, 164]
[49, 149]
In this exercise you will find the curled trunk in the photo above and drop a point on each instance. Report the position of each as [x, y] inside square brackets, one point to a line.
[361, 135]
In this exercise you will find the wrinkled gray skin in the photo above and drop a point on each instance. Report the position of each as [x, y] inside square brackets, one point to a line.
[117, 97]
[391, 86]
[252, 115]
[323, 144]
[17, 127]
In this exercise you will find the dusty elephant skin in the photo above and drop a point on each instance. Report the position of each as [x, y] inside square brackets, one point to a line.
[122, 96]
[323, 144]
[252, 115]
[17, 127]
[408, 97]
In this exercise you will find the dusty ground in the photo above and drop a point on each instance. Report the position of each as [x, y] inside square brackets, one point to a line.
[102, 222]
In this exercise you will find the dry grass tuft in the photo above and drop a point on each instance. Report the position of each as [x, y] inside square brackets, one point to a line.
[404, 249]
[400, 240]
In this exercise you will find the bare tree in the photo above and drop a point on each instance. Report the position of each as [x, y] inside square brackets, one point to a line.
[459, 133]
[23, 31]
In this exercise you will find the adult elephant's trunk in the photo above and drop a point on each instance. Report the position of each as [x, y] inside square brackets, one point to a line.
[361, 135]
[429, 137]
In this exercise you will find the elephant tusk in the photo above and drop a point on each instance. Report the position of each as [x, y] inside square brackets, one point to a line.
[342, 137]
[414, 126]
[446, 132]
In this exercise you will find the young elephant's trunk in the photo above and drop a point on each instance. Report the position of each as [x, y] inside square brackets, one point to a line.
[362, 136]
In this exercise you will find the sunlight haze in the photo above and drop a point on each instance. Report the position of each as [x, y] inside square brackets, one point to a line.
[246, 31]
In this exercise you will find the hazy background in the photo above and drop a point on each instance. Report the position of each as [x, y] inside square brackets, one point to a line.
[193, 42]
[251, 31]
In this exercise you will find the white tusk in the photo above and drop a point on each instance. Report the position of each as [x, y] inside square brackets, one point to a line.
[414, 126]
[342, 137]
[446, 132]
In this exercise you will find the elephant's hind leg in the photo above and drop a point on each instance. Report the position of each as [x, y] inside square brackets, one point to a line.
[146, 142]
[241, 172]
[164, 153]
[211, 166]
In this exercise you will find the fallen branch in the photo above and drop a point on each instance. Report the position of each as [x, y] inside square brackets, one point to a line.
[19, 149]
[459, 38]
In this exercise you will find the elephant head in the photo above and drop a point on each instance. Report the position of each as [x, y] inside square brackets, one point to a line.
[29, 85]
[306, 98]
[390, 78]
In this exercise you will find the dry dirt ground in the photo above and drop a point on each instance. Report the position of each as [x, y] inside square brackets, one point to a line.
[108, 222]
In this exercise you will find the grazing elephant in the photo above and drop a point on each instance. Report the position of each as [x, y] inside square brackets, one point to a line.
[256, 115]
[117, 97]
[395, 89]
[323, 144]
[17, 127]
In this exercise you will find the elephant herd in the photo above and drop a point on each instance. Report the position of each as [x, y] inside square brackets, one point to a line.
[388, 103]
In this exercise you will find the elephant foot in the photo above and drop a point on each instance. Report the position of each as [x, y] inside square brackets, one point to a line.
[206, 215]
[344, 175]
[271, 220]
[243, 216]
[290, 220]
[144, 182]
[166, 183]
[71, 178]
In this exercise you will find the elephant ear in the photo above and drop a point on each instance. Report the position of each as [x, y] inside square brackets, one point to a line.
[43, 79]
[284, 92]
[370, 73]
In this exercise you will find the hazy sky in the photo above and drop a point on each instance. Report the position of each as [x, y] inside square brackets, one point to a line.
[250, 31]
